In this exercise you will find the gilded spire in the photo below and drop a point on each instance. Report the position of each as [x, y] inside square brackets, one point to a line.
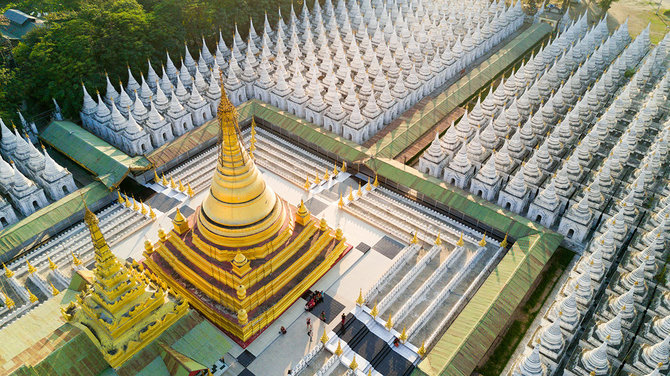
[8, 273]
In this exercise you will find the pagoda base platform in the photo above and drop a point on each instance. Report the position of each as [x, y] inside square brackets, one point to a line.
[264, 315]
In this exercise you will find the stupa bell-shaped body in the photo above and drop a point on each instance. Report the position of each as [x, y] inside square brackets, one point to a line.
[240, 207]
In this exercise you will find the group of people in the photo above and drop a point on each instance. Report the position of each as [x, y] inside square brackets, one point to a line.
[315, 298]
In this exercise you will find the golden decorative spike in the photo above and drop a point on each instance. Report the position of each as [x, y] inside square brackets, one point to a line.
[375, 183]
[374, 312]
[307, 185]
[326, 176]
[335, 172]
[414, 240]
[353, 364]
[143, 208]
[351, 195]
[121, 200]
[253, 127]
[360, 300]
[181, 186]
[368, 186]
[438, 241]
[403, 335]
[503, 243]
[422, 350]
[128, 204]
[359, 193]
[316, 178]
[323, 225]
[9, 303]
[172, 183]
[482, 243]
[189, 190]
[75, 260]
[460, 241]
[324, 337]
[54, 290]
[31, 296]
[151, 212]
[389, 322]
[157, 180]
[135, 206]
[52, 265]
[370, 372]
[340, 204]
[31, 269]
[164, 181]
[8, 273]
[338, 350]
[344, 166]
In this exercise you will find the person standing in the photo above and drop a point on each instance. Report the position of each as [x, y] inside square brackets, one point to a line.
[344, 318]
[323, 316]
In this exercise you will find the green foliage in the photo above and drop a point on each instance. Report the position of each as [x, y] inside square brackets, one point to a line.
[85, 39]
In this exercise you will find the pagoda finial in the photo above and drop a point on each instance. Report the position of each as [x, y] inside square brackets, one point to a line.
[422, 350]
[52, 265]
[340, 204]
[302, 216]
[360, 300]
[326, 176]
[172, 184]
[359, 192]
[120, 198]
[353, 364]
[415, 239]
[403, 335]
[374, 312]
[344, 166]
[181, 186]
[164, 181]
[8, 273]
[482, 243]
[368, 186]
[152, 214]
[375, 183]
[460, 241]
[9, 303]
[143, 209]
[324, 337]
[156, 178]
[307, 185]
[54, 290]
[351, 195]
[316, 178]
[503, 243]
[189, 191]
[135, 206]
[31, 296]
[75, 260]
[438, 241]
[338, 350]
[389, 322]
[335, 172]
[31, 269]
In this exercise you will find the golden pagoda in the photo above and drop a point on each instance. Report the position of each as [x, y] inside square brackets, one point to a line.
[122, 311]
[245, 255]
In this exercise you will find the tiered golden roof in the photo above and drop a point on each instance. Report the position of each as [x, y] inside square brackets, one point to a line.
[123, 310]
[245, 255]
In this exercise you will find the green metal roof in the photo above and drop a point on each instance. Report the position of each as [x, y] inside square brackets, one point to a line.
[204, 343]
[437, 108]
[474, 330]
[105, 161]
[453, 197]
[34, 228]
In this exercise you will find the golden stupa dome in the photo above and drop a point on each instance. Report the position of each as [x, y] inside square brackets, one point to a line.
[241, 209]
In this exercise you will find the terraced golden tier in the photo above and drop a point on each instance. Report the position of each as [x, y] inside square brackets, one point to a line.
[245, 255]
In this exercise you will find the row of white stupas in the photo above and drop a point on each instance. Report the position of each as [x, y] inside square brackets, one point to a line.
[28, 177]
[543, 122]
[618, 326]
[610, 338]
[351, 69]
